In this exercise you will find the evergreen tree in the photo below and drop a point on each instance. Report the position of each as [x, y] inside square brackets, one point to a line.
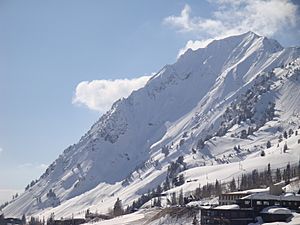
[204, 191]
[288, 174]
[250, 130]
[165, 150]
[159, 190]
[181, 198]
[194, 151]
[278, 175]
[152, 194]
[185, 135]
[236, 148]
[218, 188]
[254, 179]
[200, 144]
[262, 179]
[198, 193]
[166, 185]
[210, 190]
[244, 183]
[180, 160]
[175, 181]
[269, 175]
[158, 202]
[133, 206]
[51, 194]
[87, 213]
[149, 193]
[298, 169]
[181, 142]
[243, 134]
[50, 220]
[232, 185]
[23, 219]
[285, 135]
[195, 221]
[181, 180]
[285, 147]
[173, 199]
[128, 210]
[154, 203]
[118, 208]
[269, 144]
[2, 219]
[32, 221]
[31, 184]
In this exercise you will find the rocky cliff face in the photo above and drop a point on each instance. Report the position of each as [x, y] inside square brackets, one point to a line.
[205, 94]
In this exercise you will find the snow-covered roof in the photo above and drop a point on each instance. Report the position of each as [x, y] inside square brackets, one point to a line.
[234, 206]
[289, 194]
[251, 191]
[264, 196]
[276, 210]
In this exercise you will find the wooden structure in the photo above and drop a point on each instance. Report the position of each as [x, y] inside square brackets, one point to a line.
[214, 216]
[74, 221]
[260, 201]
[231, 197]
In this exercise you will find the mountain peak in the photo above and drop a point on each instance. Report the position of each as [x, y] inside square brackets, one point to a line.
[204, 94]
[250, 33]
[241, 43]
[248, 36]
[268, 44]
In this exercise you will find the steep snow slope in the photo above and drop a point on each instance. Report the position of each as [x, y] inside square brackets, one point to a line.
[195, 98]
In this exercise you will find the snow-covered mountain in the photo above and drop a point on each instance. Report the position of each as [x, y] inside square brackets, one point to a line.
[199, 107]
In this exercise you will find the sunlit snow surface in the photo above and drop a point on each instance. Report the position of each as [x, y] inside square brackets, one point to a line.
[120, 156]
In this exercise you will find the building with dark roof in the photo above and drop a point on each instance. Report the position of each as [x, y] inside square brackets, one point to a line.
[220, 216]
[274, 213]
[13, 221]
[231, 197]
[270, 207]
[74, 221]
[260, 201]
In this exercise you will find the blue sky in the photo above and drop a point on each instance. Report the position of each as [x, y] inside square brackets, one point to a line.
[62, 63]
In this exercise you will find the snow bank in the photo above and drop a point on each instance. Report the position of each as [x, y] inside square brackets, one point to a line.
[276, 210]
[234, 206]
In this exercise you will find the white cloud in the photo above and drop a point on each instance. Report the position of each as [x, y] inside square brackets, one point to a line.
[42, 166]
[194, 45]
[1, 149]
[183, 22]
[265, 17]
[99, 95]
